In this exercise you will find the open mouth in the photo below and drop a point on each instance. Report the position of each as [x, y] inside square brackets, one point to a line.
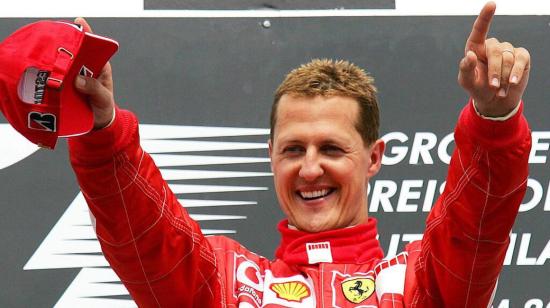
[315, 194]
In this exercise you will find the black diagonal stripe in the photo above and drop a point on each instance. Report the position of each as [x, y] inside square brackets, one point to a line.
[267, 4]
[122, 297]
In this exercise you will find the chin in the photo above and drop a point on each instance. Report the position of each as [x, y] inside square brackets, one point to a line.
[313, 227]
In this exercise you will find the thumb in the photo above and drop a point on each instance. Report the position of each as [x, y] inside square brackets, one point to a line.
[467, 71]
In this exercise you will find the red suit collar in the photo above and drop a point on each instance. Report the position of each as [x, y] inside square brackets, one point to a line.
[354, 245]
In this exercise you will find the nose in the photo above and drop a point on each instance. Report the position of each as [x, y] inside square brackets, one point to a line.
[310, 168]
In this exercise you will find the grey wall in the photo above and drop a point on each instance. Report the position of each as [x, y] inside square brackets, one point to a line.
[270, 4]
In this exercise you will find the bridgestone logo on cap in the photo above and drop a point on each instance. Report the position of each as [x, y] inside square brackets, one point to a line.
[42, 121]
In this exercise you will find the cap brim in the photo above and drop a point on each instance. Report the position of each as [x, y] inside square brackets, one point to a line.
[76, 117]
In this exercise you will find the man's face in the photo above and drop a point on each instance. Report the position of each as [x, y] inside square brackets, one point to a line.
[320, 163]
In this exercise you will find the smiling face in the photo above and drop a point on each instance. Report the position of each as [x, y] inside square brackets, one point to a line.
[321, 166]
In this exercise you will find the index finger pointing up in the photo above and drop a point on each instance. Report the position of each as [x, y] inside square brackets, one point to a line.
[477, 37]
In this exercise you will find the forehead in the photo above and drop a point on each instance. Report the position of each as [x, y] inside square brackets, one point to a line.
[334, 113]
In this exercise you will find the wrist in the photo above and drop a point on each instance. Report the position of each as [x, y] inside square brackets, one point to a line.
[490, 134]
[112, 119]
[107, 121]
[490, 116]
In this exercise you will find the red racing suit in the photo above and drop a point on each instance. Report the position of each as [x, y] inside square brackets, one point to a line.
[162, 258]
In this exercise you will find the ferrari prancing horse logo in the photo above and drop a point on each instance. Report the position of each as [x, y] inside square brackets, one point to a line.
[357, 290]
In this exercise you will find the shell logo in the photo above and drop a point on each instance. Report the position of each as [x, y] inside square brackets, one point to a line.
[294, 291]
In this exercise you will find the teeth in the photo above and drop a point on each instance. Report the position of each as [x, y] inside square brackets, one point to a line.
[314, 194]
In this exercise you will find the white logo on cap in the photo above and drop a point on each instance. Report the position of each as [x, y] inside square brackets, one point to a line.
[86, 72]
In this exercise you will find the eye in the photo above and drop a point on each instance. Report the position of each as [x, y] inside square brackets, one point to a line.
[332, 150]
[293, 150]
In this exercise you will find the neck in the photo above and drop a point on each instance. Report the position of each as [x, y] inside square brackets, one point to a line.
[354, 244]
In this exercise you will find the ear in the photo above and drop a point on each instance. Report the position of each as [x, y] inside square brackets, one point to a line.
[270, 151]
[376, 154]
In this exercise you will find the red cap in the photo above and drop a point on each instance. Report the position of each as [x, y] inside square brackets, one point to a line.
[38, 66]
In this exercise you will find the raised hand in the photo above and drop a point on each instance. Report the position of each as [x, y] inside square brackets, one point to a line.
[99, 91]
[494, 73]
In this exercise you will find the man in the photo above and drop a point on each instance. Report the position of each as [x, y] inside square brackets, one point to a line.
[324, 148]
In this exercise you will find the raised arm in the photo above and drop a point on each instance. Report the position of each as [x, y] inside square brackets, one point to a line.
[467, 231]
[150, 241]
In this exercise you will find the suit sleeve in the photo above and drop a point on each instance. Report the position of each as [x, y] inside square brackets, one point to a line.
[467, 231]
[150, 241]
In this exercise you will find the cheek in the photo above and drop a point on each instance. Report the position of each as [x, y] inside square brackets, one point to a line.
[282, 179]
[346, 170]
[351, 176]
[283, 171]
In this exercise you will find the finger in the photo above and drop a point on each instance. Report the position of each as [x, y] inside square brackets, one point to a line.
[521, 65]
[106, 77]
[98, 95]
[480, 28]
[81, 21]
[494, 62]
[507, 55]
[467, 71]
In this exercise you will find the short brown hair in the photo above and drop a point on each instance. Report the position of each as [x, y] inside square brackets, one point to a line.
[326, 77]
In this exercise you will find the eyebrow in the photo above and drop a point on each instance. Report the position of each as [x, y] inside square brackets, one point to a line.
[328, 140]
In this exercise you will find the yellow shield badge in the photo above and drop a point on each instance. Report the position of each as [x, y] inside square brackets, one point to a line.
[357, 290]
[294, 291]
